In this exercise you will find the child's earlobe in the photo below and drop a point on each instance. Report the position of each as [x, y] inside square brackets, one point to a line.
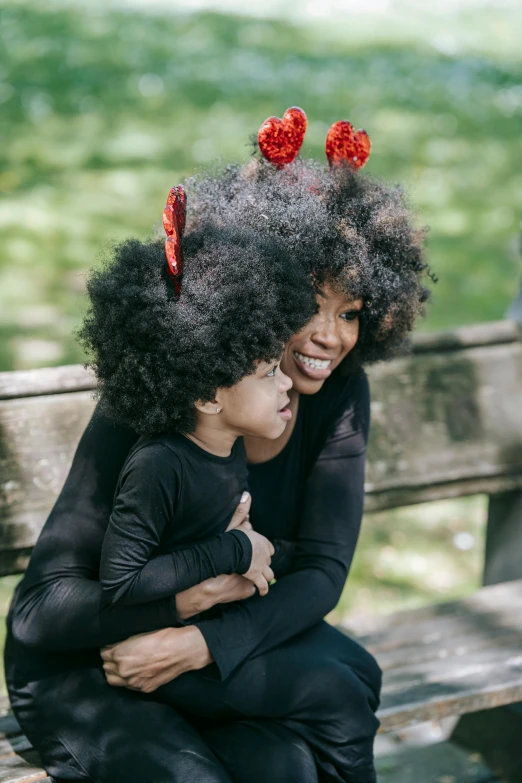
[210, 408]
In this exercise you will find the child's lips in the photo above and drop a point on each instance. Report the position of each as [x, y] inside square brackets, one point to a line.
[285, 411]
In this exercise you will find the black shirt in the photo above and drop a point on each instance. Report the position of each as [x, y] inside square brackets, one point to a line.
[172, 494]
[310, 496]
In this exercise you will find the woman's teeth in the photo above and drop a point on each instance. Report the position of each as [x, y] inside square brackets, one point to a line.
[317, 364]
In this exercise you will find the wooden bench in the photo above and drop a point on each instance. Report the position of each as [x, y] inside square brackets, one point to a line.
[446, 422]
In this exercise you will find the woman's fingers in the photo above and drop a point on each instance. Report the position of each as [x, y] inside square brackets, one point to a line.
[268, 574]
[241, 512]
[261, 584]
[115, 681]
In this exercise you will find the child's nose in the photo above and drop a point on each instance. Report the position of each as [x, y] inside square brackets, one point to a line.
[285, 382]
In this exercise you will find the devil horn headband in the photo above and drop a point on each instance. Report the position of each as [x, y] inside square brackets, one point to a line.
[281, 139]
[174, 218]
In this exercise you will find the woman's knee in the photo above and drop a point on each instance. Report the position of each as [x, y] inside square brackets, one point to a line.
[335, 691]
[256, 751]
[370, 673]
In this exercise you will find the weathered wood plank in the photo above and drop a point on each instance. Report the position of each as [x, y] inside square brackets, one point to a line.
[442, 762]
[408, 496]
[442, 418]
[74, 377]
[15, 769]
[48, 380]
[444, 424]
[19, 763]
[13, 745]
[448, 659]
[473, 336]
[38, 436]
[9, 727]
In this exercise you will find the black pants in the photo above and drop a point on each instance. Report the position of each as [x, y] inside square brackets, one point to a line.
[301, 713]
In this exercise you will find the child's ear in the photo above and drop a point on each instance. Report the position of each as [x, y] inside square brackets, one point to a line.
[210, 408]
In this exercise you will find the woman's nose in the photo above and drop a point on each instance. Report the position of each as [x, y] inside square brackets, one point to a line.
[326, 334]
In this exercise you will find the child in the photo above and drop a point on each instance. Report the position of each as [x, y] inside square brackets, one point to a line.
[189, 358]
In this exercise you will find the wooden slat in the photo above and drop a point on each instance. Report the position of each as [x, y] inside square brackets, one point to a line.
[408, 496]
[444, 424]
[74, 377]
[9, 727]
[26, 769]
[448, 659]
[491, 333]
[48, 380]
[441, 418]
[13, 745]
[38, 436]
[19, 763]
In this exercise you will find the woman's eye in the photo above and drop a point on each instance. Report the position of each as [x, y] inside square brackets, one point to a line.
[351, 315]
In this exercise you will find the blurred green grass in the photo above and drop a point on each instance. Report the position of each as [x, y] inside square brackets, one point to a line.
[102, 110]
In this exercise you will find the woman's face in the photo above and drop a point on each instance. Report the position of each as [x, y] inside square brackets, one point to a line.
[311, 355]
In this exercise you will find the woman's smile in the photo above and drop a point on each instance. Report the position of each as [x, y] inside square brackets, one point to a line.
[313, 366]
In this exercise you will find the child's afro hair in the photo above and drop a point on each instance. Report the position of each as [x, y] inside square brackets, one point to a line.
[353, 232]
[243, 295]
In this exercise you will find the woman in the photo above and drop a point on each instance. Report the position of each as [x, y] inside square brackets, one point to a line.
[307, 496]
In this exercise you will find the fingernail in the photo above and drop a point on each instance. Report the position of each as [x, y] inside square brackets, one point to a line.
[244, 497]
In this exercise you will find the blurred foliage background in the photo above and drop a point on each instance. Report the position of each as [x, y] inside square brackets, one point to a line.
[105, 105]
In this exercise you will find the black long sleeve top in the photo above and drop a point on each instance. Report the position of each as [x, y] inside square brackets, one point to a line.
[171, 495]
[312, 494]
[308, 499]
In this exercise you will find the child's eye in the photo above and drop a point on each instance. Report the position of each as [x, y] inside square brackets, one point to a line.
[351, 315]
[272, 371]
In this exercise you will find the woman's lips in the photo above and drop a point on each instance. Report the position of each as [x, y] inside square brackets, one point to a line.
[305, 365]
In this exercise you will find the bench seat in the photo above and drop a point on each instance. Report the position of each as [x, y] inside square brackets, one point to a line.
[447, 659]
[445, 423]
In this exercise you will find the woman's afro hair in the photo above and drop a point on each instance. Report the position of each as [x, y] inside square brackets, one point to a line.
[242, 297]
[351, 231]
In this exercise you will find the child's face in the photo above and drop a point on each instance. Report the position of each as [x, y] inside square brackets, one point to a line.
[257, 405]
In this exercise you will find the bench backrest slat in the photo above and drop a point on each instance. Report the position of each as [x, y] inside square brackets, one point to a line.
[445, 422]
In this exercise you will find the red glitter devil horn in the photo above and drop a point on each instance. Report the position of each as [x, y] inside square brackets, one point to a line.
[280, 140]
[344, 146]
[174, 217]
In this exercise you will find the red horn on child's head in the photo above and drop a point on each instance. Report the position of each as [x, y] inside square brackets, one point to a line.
[174, 218]
[346, 146]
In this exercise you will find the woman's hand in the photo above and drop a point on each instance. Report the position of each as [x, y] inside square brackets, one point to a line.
[144, 662]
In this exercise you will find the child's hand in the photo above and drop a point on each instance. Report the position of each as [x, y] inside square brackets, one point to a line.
[260, 572]
[241, 513]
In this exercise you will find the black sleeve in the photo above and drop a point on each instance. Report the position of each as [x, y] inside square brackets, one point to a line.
[58, 604]
[130, 571]
[328, 532]
[283, 557]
